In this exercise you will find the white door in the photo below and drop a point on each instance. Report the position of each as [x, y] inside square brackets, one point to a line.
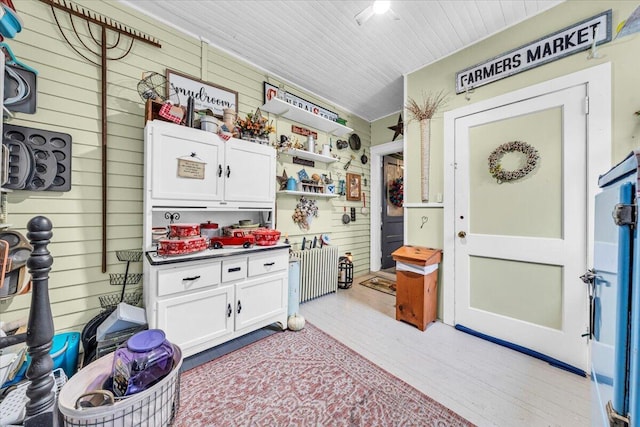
[520, 245]
[194, 320]
[259, 299]
[186, 164]
[249, 172]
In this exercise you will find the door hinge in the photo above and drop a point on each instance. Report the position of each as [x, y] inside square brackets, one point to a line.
[615, 419]
[586, 105]
[624, 214]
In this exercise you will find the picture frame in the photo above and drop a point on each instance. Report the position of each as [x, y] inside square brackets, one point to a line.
[354, 182]
[206, 95]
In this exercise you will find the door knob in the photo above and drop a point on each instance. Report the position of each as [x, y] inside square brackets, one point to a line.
[462, 234]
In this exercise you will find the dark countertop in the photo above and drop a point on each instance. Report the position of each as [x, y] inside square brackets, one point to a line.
[154, 259]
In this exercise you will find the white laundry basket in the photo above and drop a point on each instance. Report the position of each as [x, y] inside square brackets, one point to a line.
[154, 407]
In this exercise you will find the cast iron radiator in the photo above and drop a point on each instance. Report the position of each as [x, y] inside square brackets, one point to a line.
[318, 271]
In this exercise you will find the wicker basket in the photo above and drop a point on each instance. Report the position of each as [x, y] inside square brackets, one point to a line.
[154, 407]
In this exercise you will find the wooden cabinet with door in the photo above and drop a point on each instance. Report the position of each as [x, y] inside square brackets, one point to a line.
[417, 285]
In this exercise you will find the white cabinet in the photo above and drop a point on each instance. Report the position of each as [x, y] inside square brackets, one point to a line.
[166, 145]
[250, 172]
[196, 319]
[192, 168]
[204, 299]
[203, 303]
[260, 299]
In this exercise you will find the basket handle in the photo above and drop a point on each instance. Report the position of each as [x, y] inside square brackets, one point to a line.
[98, 398]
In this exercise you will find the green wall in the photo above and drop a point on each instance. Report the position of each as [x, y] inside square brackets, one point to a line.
[380, 132]
[438, 76]
[69, 101]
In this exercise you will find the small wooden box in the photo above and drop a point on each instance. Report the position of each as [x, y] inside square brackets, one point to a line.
[416, 292]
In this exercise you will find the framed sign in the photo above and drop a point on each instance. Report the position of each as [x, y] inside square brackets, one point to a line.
[191, 167]
[270, 92]
[206, 95]
[353, 187]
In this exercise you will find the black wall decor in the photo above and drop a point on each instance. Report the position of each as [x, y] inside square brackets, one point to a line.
[39, 160]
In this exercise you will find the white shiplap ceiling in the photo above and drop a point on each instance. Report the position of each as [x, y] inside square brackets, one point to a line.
[318, 46]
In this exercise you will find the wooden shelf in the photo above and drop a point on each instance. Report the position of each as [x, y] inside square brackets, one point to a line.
[291, 112]
[308, 155]
[305, 193]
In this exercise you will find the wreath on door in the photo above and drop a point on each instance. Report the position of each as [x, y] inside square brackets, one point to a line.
[396, 192]
[530, 161]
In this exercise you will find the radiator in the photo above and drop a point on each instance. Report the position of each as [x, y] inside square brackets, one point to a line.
[318, 272]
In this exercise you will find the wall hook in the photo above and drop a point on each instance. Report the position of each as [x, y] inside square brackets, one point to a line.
[468, 92]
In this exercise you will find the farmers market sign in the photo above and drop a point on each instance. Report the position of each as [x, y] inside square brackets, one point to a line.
[576, 38]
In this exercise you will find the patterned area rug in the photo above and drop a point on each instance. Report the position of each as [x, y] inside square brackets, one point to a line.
[380, 284]
[303, 378]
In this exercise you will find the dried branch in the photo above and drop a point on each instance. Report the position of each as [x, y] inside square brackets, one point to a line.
[432, 102]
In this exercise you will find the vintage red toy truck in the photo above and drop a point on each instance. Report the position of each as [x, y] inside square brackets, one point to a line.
[239, 238]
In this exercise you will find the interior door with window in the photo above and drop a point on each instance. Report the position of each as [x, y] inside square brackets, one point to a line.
[392, 211]
[521, 244]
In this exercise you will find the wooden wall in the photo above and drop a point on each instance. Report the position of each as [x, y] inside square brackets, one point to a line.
[69, 102]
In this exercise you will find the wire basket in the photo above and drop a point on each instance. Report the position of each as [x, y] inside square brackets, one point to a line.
[119, 278]
[110, 301]
[131, 255]
[155, 407]
[13, 406]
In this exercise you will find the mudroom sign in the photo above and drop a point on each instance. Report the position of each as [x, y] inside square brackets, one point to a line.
[584, 35]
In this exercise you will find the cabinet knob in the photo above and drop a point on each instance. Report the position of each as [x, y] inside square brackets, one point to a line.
[229, 310]
[239, 307]
[462, 234]
[219, 171]
[228, 171]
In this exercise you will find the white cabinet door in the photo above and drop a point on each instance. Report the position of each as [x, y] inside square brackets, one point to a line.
[199, 181]
[195, 319]
[250, 172]
[260, 298]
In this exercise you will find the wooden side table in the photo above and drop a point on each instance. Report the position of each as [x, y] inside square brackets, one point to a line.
[417, 284]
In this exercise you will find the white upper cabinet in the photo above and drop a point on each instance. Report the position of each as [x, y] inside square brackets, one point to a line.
[250, 172]
[185, 165]
[192, 168]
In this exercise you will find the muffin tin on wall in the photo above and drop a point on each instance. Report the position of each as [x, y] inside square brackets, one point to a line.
[38, 160]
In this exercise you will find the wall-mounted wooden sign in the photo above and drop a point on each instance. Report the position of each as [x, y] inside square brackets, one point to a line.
[576, 38]
[206, 95]
[303, 162]
[303, 131]
[270, 92]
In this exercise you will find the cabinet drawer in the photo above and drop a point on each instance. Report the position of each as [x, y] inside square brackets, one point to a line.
[263, 264]
[181, 279]
[234, 269]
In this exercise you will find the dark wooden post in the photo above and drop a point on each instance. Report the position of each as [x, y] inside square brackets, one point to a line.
[41, 409]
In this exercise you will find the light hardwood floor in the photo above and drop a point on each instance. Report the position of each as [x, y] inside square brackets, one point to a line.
[488, 384]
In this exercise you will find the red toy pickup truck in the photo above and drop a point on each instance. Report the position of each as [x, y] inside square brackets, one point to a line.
[239, 238]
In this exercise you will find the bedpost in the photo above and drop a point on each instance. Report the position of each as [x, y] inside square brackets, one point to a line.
[40, 408]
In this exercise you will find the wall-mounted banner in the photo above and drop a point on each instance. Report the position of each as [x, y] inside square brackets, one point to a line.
[206, 95]
[271, 91]
[303, 131]
[576, 38]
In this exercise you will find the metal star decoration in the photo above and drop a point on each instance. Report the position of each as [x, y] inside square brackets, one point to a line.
[398, 129]
[282, 180]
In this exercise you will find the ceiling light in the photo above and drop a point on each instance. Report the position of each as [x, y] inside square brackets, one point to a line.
[381, 6]
[378, 7]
